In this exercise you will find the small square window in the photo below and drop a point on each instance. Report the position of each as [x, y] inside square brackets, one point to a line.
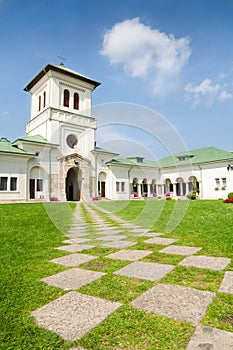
[217, 182]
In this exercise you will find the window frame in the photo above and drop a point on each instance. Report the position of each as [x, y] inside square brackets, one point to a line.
[66, 98]
[3, 185]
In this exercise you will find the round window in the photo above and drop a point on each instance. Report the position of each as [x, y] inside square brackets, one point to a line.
[71, 141]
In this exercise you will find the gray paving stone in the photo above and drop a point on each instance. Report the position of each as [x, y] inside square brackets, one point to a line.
[207, 338]
[111, 238]
[176, 302]
[145, 270]
[72, 279]
[74, 314]
[75, 247]
[150, 234]
[160, 240]
[131, 255]
[206, 262]
[73, 259]
[180, 250]
[139, 230]
[76, 240]
[76, 235]
[227, 283]
[109, 232]
[118, 244]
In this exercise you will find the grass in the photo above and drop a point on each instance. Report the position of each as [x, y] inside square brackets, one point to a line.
[31, 232]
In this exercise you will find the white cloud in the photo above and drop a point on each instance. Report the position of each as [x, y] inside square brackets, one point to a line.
[144, 51]
[206, 92]
[224, 95]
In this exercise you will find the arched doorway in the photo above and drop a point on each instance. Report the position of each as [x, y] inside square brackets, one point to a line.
[73, 184]
[102, 184]
[168, 186]
[180, 187]
[193, 184]
[135, 185]
[144, 188]
[36, 183]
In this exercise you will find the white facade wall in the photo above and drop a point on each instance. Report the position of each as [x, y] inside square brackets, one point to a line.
[14, 166]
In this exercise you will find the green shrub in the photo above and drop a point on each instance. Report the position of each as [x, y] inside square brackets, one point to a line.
[168, 198]
[230, 195]
[191, 195]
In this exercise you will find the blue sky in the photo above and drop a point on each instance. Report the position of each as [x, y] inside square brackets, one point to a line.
[172, 56]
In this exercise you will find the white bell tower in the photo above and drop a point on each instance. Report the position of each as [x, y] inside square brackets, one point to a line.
[61, 109]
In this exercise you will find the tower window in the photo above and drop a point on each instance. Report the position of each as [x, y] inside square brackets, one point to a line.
[44, 96]
[39, 101]
[66, 101]
[76, 100]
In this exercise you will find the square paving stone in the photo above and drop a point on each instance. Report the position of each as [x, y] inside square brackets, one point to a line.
[131, 255]
[76, 235]
[145, 270]
[207, 338]
[180, 250]
[150, 234]
[206, 262]
[177, 302]
[111, 238]
[75, 247]
[76, 240]
[162, 241]
[118, 244]
[72, 279]
[74, 314]
[139, 230]
[73, 259]
[227, 283]
[108, 232]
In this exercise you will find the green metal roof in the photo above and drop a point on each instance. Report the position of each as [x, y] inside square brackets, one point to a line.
[34, 138]
[198, 156]
[132, 162]
[102, 150]
[7, 147]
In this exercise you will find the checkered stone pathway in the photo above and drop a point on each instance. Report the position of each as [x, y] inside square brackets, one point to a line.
[73, 248]
[145, 270]
[206, 262]
[131, 255]
[162, 241]
[177, 302]
[207, 338]
[227, 283]
[74, 314]
[76, 240]
[111, 238]
[180, 250]
[118, 244]
[73, 259]
[72, 279]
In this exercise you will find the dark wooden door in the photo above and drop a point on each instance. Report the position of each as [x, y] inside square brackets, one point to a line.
[32, 188]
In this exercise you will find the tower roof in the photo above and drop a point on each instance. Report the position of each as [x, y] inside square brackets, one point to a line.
[63, 70]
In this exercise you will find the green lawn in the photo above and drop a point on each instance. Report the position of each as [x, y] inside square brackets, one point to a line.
[31, 232]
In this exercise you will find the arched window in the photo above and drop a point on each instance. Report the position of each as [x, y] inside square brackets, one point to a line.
[39, 105]
[76, 100]
[44, 97]
[66, 100]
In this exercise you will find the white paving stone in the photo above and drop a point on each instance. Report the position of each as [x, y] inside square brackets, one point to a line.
[177, 302]
[206, 262]
[145, 270]
[162, 241]
[180, 250]
[131, 255]
[207, 338]
[74, 314]
[118, 244]
[72, 279]
[76, 240]
[227, 283]
[111, 238]
[73, 259]
[75, 247]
